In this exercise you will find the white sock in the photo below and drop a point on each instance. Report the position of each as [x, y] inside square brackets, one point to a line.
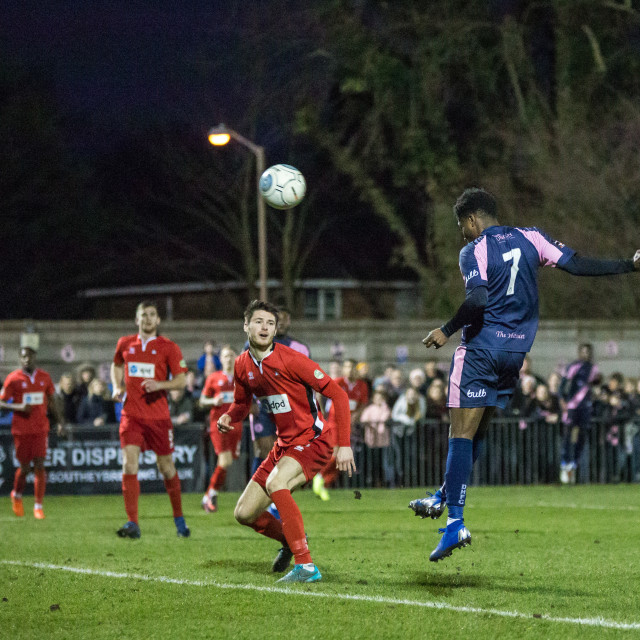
[17, 496]
[309, 566]
[452, 520]
[37, 505]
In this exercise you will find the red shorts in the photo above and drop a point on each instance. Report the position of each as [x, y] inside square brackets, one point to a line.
[30, 446]
[312, 458]
[156, 435]
[229, 441]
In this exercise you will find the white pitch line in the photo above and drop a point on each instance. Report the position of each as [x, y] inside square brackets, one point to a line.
[588, 622]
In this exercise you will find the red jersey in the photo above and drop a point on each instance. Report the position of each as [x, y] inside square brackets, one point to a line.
[154, 358]
[34, 389]
[358, 392]
[284, 382]
[219, 384]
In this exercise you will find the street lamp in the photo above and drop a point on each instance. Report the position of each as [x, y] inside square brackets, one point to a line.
[219, 136]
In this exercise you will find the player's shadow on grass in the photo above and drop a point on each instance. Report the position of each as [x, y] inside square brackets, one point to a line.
[444, 585]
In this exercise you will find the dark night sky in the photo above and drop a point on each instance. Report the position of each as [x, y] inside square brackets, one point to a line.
[119, 62]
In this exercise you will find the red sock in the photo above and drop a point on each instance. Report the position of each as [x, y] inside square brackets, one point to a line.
[19, 481]
[130, 493]
[217, 478]
[39, 484]
[330, 472]
[292, 525]
[269, 526]
[173, 489]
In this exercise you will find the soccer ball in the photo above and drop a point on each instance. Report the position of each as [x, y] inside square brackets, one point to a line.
[282, 186]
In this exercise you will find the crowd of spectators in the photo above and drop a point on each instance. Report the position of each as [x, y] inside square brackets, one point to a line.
[420, 398]
[400, 403]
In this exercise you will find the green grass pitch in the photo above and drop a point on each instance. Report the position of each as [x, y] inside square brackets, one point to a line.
[545, 562]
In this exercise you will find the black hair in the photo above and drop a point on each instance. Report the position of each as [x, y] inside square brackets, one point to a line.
[618, 377]
[475, 200]
[259, 305]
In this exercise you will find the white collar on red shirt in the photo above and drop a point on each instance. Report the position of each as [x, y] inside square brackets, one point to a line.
[259, 364]
[144, 343]
[350, 384]
[31, 376]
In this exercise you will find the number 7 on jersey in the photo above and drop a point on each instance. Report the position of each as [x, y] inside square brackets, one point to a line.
[514, 255]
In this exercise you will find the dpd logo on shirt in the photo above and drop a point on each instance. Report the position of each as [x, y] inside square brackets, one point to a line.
[277, 403]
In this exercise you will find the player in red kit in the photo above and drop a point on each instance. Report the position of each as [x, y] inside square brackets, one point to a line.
[32, 393]
[145, 366]
[358, 393]
[285, 381]
[217, 395]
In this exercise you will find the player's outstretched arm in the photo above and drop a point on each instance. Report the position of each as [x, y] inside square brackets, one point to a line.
[586, 266]
[345, 461]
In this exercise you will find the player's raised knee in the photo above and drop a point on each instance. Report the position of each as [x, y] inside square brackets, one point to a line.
[243, 515]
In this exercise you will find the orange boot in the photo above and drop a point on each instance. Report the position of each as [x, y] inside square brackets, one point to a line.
[16, 505]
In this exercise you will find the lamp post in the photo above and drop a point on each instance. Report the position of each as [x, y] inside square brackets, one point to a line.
[219, 136]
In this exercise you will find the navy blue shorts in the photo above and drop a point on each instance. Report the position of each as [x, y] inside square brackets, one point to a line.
[262, 425]
[580, 417]
[483, 378]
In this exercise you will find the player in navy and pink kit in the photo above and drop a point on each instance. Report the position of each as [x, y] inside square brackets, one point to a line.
[575, 397]
[499, 318]
[284, 380]
[145, 366]
[217, 396]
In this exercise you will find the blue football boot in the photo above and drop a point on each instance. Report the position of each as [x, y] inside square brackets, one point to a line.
[303, 573]
[129, 530]
[456, 535]
[432, 506]
[273, 510]
[181, 527]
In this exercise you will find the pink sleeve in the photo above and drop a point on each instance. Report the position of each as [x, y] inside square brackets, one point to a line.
[548, 253]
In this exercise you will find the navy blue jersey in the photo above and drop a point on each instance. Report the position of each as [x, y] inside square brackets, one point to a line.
[506, 261]
[575, 388]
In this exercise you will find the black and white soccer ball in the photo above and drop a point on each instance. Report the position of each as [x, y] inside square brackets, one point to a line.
[282, 186]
